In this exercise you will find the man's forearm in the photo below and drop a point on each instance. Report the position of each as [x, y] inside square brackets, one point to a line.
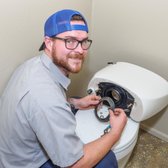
[96, 150]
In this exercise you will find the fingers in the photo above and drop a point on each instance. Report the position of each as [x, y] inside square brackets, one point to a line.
[111, 113]
[118, 118]
[89, 101]
[94, 99]
[116, 112]
[119, 110]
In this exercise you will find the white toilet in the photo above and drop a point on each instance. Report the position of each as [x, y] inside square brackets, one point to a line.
[140, 92]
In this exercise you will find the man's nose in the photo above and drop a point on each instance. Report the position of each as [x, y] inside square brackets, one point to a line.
[79, 48]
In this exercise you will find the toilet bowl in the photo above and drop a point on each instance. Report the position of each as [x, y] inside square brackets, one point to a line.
[124, 147]
[140, 92]
[89, 129]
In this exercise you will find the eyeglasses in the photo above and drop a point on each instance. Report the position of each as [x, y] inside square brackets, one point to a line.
[72, 43]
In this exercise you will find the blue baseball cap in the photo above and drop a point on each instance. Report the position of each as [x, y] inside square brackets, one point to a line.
[60, 22]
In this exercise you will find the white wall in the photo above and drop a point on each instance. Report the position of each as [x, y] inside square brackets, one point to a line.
[21, 30]
[135, 31]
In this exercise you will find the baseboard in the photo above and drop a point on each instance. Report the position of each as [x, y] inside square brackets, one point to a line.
[155, 132]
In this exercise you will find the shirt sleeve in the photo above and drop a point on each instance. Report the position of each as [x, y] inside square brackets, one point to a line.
[54, 124]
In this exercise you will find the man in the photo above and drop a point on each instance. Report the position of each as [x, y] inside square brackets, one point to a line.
[37, 126]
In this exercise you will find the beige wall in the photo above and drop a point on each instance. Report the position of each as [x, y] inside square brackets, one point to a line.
[21, 30]
[132, 30]
[135, 31]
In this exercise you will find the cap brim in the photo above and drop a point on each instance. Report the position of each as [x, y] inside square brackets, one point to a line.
[42, 47]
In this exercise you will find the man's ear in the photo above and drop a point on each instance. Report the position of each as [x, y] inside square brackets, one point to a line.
[48, 43]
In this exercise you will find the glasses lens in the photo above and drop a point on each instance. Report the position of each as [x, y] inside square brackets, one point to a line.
[86, 44]
[71, 43]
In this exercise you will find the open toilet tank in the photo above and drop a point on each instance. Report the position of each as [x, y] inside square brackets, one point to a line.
[140, 92]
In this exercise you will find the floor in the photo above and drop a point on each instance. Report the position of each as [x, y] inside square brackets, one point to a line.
[150, 152]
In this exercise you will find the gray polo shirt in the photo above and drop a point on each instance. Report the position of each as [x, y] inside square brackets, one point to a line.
[36, 122]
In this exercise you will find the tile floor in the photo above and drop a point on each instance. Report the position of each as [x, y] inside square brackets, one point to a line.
[150, 152]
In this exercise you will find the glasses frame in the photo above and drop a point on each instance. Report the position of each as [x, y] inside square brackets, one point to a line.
[78, 41]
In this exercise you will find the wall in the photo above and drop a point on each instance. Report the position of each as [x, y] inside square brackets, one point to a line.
[21, 29]
[134, 31]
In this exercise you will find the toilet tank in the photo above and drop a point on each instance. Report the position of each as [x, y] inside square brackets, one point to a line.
[148, 89]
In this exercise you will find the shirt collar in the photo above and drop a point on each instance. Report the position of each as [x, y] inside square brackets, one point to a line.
[55, 71]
